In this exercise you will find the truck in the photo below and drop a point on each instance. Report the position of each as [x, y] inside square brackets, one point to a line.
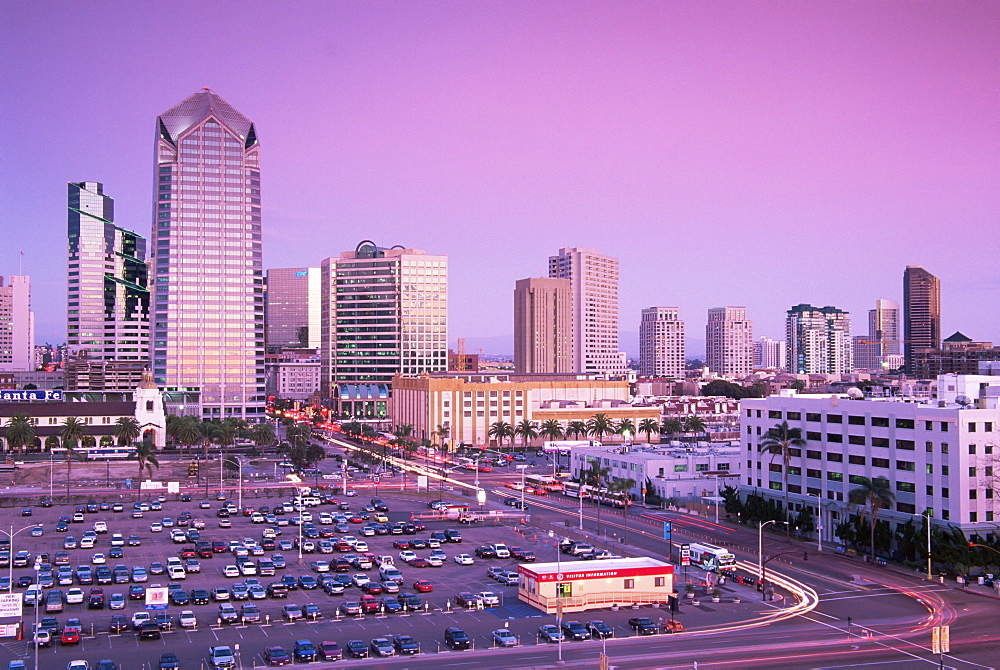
[221, 657]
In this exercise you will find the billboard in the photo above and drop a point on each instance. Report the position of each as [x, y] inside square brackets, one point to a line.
[10, 604]
[31, 396]
[156, 598]
[563, 446]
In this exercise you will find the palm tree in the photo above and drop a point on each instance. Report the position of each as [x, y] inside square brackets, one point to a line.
[500, 431]
[625, 428]
[442, 433]
[146, 458]
[71, 434]
[873, 494]
[649, 426]
[126, 431]
[186, 430]
[551, 429]
[576, 428]
[225, 434]
[595, 477]
[779, 441]
[262, 434]
[20, 432]
[671, 427]
[599, 425]
[694, 424]
[623, 486]
[527, 430]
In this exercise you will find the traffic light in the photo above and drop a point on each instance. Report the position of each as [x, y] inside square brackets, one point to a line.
[192, 469]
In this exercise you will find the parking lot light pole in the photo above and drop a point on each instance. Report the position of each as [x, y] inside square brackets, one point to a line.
[760, 555]
[522, 469]
[38, 567]
[10, 536]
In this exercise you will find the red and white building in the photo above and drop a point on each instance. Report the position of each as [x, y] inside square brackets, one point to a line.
[578, 586]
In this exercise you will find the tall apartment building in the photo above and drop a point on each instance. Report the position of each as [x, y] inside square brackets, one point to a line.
[818, 340]
[880, 347]
[292, 309]
[594, 282]
[661, 343]
[543, 325]
[940, 455]
[107, 311]
[768, 354]
[729, 341]
[208, 280]
[17, 325]
[922, 318]
[384, 312]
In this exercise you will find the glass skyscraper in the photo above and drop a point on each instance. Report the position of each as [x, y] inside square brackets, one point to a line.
[292, 308]
[208, 284]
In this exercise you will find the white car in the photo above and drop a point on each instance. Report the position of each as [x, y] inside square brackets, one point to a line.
[435, 561]
[489, 598]
[248, 569]
[464, 559]
[320, 566]
[100, 527]
[78, 665]
[156, 527]
[360, 579]
[406, 556]
[361, 546]
[140, 618]
[176, 572]
[74, 596]
[98, 559]
[231, 571]
[187, 619]
[117, 540]
[504, 638]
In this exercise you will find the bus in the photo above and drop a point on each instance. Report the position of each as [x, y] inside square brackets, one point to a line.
[573, 489]
[610, 498]
[544, 483]
[712, 558]
[98, 453]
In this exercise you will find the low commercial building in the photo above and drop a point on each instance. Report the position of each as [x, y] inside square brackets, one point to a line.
[292, 375]
[578, 586]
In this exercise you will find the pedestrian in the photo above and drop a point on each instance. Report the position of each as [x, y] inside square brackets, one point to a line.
[805, 555]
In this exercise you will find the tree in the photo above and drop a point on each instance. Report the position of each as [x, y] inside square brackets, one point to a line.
[694, 424]
[599, 425]
[225, 434]
[720, 387]
[596, 477]
[872, 495]
[527, 431]
[146, 458]
[185, 430]
[651, 497]
[649, 426]
[625, 427]
[20, 432]
[804, 521]
[671, 427]
[126, 431]
[624, 488]
[576, 428]
[500, 431]
[551, 429]
[442, 433]
[262, 434]
[780, 441]
[72, 433]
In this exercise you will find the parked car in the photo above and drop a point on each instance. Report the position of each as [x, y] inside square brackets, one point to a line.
[642, 625]
[504, 638]
[456, 638]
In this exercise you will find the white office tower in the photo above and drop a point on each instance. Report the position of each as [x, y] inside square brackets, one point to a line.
[206, 272]
[729, 341]
[17, 325]
[661, 343]
[768, 354]
[819, 340]
[594, 280]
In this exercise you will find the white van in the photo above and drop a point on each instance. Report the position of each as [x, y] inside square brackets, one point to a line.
[306, 501]
[176, 572]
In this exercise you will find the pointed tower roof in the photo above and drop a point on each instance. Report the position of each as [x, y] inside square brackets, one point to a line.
[959, 336]
[199, 106]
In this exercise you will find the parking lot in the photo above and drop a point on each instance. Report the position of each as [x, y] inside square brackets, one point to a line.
[432, 609]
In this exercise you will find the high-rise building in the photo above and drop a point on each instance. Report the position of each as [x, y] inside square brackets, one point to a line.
[208, 281]
[922, 320]
[107, 311]
[729, 341]
[768, 354]
[384, 312]
[818, 340]
[661, 343]
[291, 308]
[17, 325]
[876, 350]
[594, 282]
[543, 325]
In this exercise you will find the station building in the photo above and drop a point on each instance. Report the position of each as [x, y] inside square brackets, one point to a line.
[578, 586]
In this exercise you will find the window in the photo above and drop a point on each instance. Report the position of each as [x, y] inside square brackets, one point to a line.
[794, 488]
[857, 479]
[881, 442]
[907, 508]
[973, 516]
[834, 418]
[930, 446]
[945, 492]
[629, 583]
[944, 427]
[659, 581]
[972, 450]
[813, 416]
[856, 460]
[856, 420]
[904, 423]
[928, 425]
[774, 467]
[945, 515]
[972, 470]
[972, 426]
[930, 490]
[856, 439]
[810, 453]
[835, 458]
[972, 494]
[944, 447]
[945, 470]
[880, 462]
[794, 416]
[880, 421]
[908, 466]
[680, 468]
[774, 486]
[793, 470]
[814, 436]
[774, 414]
[832, 437]
[906, 487]
[835, 476]
[906, 445]
[815, 474]
[701, 467]
[988, 426]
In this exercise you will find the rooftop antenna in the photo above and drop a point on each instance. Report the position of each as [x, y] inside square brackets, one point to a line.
[20, 262]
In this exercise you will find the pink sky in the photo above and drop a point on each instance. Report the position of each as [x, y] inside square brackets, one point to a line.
[746, 153]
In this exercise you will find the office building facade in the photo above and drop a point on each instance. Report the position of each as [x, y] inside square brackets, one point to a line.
[383, 312]
[661, 343]
[17, 325]
[729, 341]
[818, 340]
[922, 317]
[207, 277]
[543, 325]
[768, 354]
[292, 309]
[593, 279]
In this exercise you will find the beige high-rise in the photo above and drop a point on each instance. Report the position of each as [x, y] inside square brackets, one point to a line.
[729, 341]
[543, 325]
[661, 343]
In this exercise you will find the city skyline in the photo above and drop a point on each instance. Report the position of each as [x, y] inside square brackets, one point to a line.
[830, 143]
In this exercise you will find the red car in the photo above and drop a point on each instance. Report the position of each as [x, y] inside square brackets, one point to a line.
[419, 563]
[189, 552]
[423, 586]
[219, 547]
[369, 604]
[276, 656]
[401, 544]
[70, 635]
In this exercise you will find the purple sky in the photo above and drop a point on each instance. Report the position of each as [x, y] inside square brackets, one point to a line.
[745, 153]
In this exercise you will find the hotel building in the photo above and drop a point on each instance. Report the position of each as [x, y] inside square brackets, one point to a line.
[729, 341]
[661, 343]
[543, 326]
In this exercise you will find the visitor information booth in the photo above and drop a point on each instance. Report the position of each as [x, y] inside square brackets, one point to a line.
[578, 586]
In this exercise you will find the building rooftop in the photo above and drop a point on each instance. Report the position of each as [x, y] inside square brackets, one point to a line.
[574, 566]
[198, 106]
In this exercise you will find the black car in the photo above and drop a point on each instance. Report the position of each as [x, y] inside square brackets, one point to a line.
[106, 664]
[485, 552]
[405, 645]
[119, 623]
[199, 597]
[453, 535]
[642, 625]
[357, 649]
[149, 631]
[456, 638]
[304, 651]
[574, 630]
[169, 661]
[179, 597]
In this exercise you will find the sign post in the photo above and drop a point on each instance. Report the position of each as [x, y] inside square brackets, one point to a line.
[667, 537]
[685, 559]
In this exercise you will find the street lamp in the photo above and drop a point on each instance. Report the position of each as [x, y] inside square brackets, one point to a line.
[927, 519]
[558, 594]
[760, 555]
[10, 535]
[522, 468]
[819, 523]
[34, 632]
